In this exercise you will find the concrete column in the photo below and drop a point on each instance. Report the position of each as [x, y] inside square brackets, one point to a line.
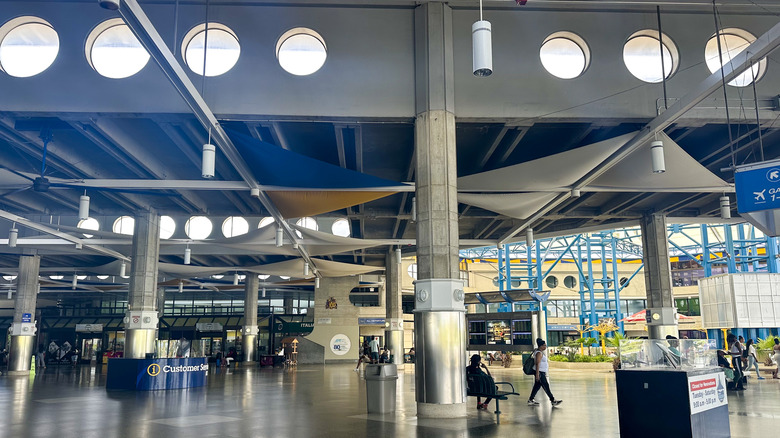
[440, 328]
[141, 319]
[394, 333]
[250, 317]
[658, 277]
[23, 328]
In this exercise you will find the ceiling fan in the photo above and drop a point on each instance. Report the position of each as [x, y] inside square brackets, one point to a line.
[41, 184]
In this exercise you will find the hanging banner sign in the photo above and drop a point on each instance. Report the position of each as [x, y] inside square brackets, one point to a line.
[758, 186]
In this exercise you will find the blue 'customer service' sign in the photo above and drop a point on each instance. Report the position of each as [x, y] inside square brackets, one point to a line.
[758, 186]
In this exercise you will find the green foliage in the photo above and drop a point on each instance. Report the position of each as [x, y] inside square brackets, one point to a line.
[580, 358]
[615, 340]
[765, 344]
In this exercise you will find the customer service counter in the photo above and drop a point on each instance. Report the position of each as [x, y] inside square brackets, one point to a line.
[156, 374]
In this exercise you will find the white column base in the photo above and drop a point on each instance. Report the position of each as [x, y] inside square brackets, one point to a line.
[431, 410]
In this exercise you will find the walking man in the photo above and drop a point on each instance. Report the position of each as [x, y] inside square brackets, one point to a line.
[541, 369]
[374, 345]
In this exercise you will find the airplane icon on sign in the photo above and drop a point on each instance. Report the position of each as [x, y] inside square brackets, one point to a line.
[759, 195]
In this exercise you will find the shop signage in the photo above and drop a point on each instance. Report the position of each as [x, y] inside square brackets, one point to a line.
[707, 391]
[90, 328]
[324, 321]
[340, 344]
[758, 186]
[26, 317]
[208, 327]
[561, 327]
[371, 321]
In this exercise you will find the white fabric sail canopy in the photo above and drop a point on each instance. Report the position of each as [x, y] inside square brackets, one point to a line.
[536, 182]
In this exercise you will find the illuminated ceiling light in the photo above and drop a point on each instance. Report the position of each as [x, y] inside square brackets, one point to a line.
[481, 45]
[187, 255]
[529, 237]
[279, 237]
[657, 155]
[725, 207]
[84, 207]
[13, 236]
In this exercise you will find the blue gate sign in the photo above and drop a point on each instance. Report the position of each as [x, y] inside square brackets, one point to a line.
[26, 317]
[758, 186]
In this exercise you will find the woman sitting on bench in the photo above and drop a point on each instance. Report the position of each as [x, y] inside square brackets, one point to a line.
[475, 368]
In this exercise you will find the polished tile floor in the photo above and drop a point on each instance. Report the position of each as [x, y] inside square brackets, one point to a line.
[322, 401]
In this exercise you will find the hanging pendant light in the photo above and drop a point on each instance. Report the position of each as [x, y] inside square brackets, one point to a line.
[13, 236]
[725, 207]
[187, 255]
[279, 237]
[414, 209]
[235, 279]
[209, 158]
[316, 282]
[75, 283]
[84, 206]
[263, 293]
[529, 237]
[10, 293]
[657, 156]
[481, 46]
[305, 269]
[122, 269]
[181, 286]
[398, 256]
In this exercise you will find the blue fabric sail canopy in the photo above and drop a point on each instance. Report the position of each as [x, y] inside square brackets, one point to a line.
[275, 166]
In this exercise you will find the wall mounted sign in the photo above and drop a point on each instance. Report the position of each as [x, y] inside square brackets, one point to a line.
[340, 344]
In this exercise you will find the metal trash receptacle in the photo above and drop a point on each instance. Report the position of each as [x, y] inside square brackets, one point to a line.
[380, 387]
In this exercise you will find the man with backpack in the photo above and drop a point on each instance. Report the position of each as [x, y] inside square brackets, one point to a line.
[537, 365]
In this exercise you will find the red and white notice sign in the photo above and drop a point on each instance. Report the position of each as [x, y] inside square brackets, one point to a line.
[707, 391]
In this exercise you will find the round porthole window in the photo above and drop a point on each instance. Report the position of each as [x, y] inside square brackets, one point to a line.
[565, 55]
[28, 46]
[551, 281]
[221, 54]
[301, 51]
[642, 56]
[733, 41]
[113, 51]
